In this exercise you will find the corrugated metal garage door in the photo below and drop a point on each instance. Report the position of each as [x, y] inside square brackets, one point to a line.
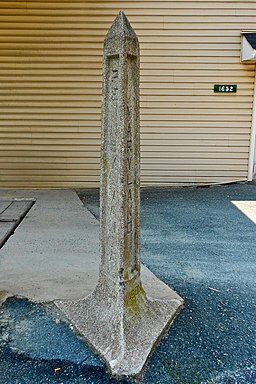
[50, 93]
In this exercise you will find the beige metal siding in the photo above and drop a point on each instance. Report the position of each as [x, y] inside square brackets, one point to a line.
[50, 90]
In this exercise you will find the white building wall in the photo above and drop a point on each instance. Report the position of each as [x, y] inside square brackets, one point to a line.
[50, 93]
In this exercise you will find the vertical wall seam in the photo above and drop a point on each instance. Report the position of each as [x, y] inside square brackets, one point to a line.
[253, 133]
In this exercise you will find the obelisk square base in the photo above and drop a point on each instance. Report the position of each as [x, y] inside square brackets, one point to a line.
[123, 339]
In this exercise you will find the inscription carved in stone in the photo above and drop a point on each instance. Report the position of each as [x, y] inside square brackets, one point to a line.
[120, 222]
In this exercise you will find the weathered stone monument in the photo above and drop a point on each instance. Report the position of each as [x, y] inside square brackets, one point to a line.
[119, 320]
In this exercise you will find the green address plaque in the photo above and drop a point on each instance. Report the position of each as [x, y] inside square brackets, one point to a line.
[225, 88]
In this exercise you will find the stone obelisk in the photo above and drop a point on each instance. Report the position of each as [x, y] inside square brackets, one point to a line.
[120, 165]
[119, 320]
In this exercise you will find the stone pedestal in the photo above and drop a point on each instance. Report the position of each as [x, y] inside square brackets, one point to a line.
[122, 334]
[119, 320]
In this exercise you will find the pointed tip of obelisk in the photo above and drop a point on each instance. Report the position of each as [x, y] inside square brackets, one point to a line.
[121, 27]
[121, 14]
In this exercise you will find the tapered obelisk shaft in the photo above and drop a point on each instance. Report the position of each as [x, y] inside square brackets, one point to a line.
[120, 156]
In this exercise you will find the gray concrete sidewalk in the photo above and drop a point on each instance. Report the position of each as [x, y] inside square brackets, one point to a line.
[54, 252]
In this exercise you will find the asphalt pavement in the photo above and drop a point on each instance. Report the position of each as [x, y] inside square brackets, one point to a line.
[200, 241]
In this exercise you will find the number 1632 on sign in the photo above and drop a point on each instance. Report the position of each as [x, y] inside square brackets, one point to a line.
[228, 88]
